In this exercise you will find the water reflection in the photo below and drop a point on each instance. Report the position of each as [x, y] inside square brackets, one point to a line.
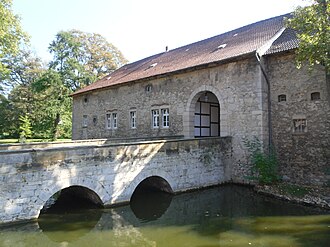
[151, 205]
[230, 216]
[70, 226]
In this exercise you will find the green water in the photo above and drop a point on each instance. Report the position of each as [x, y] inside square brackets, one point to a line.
[224, 216]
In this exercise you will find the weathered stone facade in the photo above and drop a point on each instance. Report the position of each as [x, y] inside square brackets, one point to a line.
[238, 86]
[251, 77]
[304, 156]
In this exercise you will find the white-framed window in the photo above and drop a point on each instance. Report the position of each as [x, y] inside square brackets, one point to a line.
[299, 125]
[85, 121]
[132, 119]
[111, 120]
[114, 120]
[155, 118]
[165, 118]
[108, 121]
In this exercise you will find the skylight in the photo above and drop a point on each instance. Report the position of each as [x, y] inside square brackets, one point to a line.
[221, 46]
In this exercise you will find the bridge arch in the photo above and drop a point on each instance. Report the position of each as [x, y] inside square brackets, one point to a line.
[85, 184]
[151, 198]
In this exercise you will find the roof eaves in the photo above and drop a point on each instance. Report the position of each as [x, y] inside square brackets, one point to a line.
[174, 72]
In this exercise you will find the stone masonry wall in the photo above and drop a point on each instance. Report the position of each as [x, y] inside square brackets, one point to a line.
[237, 85]
[28, 178]
[304, 156]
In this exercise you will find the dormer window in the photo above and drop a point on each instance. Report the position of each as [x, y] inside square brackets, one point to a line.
[315, 96]
[281, 98]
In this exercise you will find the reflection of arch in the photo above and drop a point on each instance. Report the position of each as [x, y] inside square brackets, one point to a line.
[151, 198]
[189, 115]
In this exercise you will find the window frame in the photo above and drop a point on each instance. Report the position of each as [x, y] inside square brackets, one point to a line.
[299, 128]
[155, 118]
[108, 120]
[85, 121]
[281, 98]
[165, 112]
[114, 120]
[132, 119]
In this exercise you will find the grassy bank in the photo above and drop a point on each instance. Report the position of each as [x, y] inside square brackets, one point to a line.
[12, 141]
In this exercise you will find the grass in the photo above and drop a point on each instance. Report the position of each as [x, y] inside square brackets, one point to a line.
[12, 141]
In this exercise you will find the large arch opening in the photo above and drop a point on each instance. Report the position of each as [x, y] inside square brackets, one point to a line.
[207, 115]
[73, 210]
[71, 199]
[151, 198]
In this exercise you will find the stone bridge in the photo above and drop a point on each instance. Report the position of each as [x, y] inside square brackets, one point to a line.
[107, 173]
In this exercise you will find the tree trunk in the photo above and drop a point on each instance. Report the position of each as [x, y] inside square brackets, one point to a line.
[55, 130]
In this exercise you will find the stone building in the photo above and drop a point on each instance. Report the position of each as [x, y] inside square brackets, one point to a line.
[241, 84]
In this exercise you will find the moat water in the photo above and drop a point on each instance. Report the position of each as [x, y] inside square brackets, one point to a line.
[232, 216]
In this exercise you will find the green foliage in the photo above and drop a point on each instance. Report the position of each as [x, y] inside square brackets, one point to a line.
[264, 164]
[54, 112]
[25, 128]
[81, 58]
[312, 24]
[11, 34]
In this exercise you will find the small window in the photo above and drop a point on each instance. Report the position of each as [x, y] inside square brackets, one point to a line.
[132, 118]
[148, 88]
[85, 119]
[165, 118]
[114, 120]
[281, 98]
[155, 118]
[315, 96]
[108, 121]
[299, 125]
[94, 120]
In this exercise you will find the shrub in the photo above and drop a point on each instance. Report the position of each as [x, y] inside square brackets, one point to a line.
[264, 165]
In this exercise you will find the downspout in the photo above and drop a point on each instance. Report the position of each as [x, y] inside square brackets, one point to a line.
[269, 104]
[259, 53]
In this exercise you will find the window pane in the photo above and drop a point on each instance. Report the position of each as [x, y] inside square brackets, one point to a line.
[205, 131]
[205, 108]
[205, 121]
[215, 114]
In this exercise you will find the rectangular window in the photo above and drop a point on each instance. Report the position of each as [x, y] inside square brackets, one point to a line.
[84, 122]
[165, 118]
[299, 125]
[108, 121]
[155, 118]
[132, 119]
[114, 120]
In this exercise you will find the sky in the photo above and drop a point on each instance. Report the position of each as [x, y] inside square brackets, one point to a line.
[141, 28]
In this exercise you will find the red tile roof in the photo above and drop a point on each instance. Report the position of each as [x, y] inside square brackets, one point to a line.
[242, 41]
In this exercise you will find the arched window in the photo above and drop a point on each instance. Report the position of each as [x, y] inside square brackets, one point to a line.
[207, 115]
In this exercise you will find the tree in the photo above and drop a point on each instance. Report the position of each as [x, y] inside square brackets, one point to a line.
[312, 25]
[53, 117]
[11, 34]
[81, 58]
[25, 128]
[24, 68]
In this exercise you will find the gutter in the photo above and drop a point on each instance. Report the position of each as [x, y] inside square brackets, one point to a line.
[259, 53]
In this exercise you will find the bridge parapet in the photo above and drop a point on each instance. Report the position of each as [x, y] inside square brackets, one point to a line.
[29, 177]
